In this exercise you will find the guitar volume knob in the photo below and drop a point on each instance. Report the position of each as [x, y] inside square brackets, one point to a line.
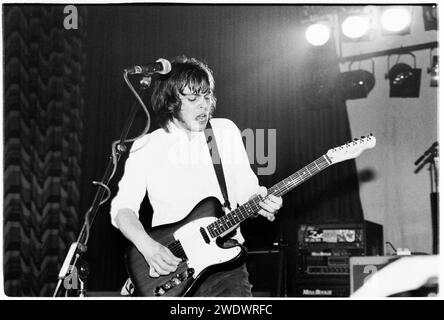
[159, 291]
[167, 285]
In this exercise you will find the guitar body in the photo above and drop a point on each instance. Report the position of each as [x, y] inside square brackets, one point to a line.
[185, 240]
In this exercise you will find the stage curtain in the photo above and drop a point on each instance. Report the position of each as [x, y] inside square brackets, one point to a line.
[43, 123]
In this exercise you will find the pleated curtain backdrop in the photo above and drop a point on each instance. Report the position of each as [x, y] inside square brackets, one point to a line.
[43, 110]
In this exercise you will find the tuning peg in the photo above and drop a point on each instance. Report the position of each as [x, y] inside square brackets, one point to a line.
[362, 137]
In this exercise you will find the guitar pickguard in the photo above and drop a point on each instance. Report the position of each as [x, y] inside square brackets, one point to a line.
[201, 254]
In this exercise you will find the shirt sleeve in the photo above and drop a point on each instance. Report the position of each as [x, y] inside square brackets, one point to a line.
[247, 181]
[132, 185]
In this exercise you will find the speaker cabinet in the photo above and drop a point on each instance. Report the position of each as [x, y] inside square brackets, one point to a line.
[314, 286]
[264, 268]
[323, 252]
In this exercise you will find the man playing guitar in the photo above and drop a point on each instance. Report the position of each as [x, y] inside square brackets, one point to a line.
[174, 166]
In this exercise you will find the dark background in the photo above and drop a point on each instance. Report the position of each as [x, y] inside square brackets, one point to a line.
[267, 77]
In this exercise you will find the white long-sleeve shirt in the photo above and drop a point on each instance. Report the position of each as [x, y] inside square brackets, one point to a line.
[176, 170]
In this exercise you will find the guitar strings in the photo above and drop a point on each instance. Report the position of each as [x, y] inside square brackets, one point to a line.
[176, 249]
[245, 211]
[223, 224]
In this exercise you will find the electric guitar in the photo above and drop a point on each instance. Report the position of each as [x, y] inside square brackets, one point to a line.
[195, 238]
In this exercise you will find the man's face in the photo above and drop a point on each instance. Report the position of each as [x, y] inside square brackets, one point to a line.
[195, 110]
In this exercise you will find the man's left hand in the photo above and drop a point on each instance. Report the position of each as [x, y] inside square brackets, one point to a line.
[270, 205]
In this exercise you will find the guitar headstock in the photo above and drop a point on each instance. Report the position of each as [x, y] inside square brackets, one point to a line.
[351, 149]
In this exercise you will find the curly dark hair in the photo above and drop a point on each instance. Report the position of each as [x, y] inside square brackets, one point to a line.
[185, 72]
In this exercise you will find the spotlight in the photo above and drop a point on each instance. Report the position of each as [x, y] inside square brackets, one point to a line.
[356, 84]
[317, 34]
[404, 80]
[433, 70]
[396, 20]
[357, 23]
[356, 27]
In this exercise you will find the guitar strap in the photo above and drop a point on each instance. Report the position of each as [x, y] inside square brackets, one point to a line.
[217, 163]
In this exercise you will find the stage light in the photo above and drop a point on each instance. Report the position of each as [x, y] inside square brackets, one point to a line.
[434, 71]
[356, 27]
[396, 20]
[317, 34]
[357, 23]
[356, 84]
[404, 80]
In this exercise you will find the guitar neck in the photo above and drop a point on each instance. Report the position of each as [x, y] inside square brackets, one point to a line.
[250, 208]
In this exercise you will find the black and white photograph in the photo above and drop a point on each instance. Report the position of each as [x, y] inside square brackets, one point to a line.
[252, 152]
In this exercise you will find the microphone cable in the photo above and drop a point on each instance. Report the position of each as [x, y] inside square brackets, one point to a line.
[114, 156]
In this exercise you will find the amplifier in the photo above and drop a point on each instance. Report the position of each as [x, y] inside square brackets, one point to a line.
[325, 249]
[263, 268]
[321, 286]
[323, 254]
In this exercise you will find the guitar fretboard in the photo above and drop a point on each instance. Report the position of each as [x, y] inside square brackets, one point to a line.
[250, 208]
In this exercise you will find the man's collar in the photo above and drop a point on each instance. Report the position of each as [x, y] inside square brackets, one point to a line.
[178, 131]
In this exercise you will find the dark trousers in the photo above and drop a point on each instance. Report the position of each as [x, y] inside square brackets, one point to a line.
[228, 283]
[231, 280]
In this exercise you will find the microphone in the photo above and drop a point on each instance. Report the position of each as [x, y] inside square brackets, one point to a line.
[161, 66]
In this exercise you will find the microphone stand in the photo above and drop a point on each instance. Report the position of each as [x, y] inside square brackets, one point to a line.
[281, 288]
[75, 270]
[430, 157]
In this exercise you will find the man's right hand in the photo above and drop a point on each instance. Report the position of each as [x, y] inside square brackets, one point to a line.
[159, 258]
